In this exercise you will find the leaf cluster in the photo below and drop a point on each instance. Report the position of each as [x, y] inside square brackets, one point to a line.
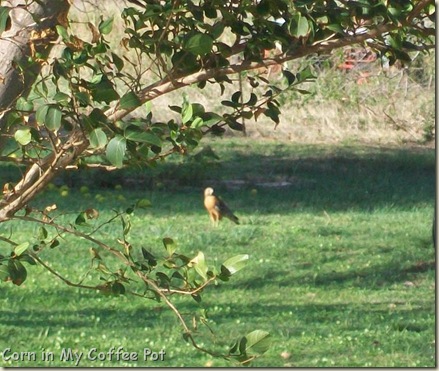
[137, 270]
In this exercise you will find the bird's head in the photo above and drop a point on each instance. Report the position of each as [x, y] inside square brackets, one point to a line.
[208, 191]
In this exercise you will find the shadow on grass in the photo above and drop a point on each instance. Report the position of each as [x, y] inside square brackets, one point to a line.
[373, 277]
[90, 311]
[319, 179]
[122, 320]
[332, 182]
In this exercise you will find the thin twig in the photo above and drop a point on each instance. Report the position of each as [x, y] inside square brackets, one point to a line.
[65, 280]
[5, 239]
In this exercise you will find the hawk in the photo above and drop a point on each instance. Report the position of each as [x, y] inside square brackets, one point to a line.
[217, 208]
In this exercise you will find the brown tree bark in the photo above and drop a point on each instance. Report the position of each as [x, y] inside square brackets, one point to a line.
[32, 31]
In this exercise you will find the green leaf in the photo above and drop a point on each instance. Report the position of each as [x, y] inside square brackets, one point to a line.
[236, 263]
[394, 11]
[186, 113]
[234, 124]
[199, 44]
[152, 261]
[211, 118]
[62, 31]
[273, 113]
[17, 272]
[163, 278]
[242, 346]
[234, 347]
[289, 76]
[305, 75]
[4, 18]
[263, 7]
[199, 263]
[24, 105]
[126, 224]
[198, 109]
[336, 28]
[82, 97]
[197, 123]
[187, 337]
[175, 109]
[299, 27]
[59, 69]
[185, 62]
[147, 106]
[129, 101]
[41, 113]
[23, 136]
[117, 289]
[98, 138]
[252, 100]
[81, 219]
[28, 259]
[61, 98]
[115, 151]
[54, 244]
[103, 90]
[258, 342]
[196, 297]
[218, 28]
[106, 26]
[236, 96]
[302, 91]
[53, 118]
[229, 103]
[142, 137]
[42, 233]
[49, 115]
[21, 248]
[247, 114]
[170, 245]
[118, 62]
[97, 117]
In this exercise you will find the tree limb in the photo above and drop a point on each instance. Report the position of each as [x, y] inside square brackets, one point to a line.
[40, 174]
[26, 37]
[167, 85]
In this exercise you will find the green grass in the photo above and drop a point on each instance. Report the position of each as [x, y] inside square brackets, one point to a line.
[342, 269]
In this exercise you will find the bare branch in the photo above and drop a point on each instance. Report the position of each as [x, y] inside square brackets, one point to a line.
[65, 280]
[4, 239]
[183, 323]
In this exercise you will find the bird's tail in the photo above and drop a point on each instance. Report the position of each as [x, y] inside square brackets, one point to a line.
[226, 212]
[232, 217]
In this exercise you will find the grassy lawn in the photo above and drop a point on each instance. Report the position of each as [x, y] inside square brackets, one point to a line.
[341, 272]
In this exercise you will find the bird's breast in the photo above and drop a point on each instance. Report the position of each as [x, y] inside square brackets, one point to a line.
[209, 202]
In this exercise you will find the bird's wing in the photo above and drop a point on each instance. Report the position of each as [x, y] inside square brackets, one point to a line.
[225, 211]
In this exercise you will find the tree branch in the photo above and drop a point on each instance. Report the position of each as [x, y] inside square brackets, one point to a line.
[166, 86]
[417, 10]
[163, 293]
[187, 331]
[14, 84]
[40, 174]
[65, 280]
